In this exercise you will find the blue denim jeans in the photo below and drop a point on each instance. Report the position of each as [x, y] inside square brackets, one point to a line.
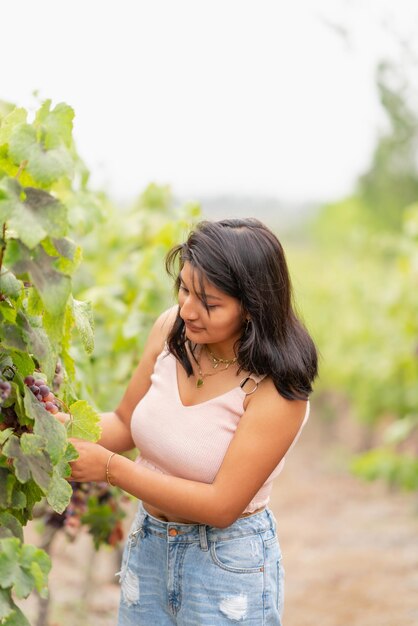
[199, 575]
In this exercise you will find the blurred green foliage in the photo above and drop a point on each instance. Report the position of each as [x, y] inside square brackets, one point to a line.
[360, 295]
[123, 277]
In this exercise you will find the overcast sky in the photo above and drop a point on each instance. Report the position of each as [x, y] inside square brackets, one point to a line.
[218, 96]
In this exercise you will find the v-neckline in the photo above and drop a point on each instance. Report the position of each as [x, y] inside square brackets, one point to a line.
[189, 406]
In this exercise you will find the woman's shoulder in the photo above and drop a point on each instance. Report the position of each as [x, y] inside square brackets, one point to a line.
[162, 328]
[267, 398]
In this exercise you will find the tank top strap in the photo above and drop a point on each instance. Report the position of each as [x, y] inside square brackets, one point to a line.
[250, 383]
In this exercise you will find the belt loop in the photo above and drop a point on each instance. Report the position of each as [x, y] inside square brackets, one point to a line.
[203, 537]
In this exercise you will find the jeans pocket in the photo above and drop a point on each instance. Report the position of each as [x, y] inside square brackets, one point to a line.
[132, 541]
[244, 555]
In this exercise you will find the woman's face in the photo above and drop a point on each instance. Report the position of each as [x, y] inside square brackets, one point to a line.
[222, 324]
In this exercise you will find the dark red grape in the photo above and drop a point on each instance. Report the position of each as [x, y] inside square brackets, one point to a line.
[29, 381]
[44, 390]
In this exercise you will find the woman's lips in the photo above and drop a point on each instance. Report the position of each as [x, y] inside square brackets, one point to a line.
[194, 329]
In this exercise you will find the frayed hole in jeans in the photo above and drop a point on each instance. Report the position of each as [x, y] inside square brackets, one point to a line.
[234, 607]
[130, 587]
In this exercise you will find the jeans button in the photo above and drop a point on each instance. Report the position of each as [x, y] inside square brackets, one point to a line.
[173, 532]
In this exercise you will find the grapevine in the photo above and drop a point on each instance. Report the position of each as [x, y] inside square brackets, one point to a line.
[41, 177]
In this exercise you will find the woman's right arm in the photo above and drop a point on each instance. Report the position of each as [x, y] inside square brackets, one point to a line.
[116, 425]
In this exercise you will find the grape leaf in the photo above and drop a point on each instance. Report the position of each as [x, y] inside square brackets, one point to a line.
[59, 492]
[8, 312]
[23, 362]
[5, 361]
[9, 285]
[32, 214]
[29, 459]
[10, 494]
[4, 435]
[83, 316]
[38, 343]
[45, 166]
[57, 125]
[10, 526]
[9, 122]
[6, 605]
[47, 427]
[11, 337]
[16, 567]
[16, 618]
[53, 286]
[38, 563]
[54, 327]
[85, 422]
[11, 572]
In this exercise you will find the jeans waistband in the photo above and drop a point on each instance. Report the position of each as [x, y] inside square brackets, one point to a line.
[203, 533]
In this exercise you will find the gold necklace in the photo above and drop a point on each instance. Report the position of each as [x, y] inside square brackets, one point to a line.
[215, 363]
[217, 359]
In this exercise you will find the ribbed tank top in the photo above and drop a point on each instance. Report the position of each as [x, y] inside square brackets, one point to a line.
[190, 441]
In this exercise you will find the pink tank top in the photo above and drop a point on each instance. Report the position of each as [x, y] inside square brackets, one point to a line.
[190, 441]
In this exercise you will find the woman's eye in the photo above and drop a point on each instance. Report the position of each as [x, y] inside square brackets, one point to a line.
[183, 288]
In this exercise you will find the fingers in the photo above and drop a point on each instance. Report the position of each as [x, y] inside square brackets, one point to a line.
[64, 418]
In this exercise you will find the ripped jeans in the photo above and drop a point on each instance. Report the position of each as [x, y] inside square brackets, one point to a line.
[198, 575]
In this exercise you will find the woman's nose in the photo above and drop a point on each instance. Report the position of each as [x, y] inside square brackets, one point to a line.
[188, 308]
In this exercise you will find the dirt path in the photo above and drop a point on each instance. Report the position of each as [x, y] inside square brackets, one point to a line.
[350, 550]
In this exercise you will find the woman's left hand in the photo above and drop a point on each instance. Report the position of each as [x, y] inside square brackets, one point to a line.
[91, 463]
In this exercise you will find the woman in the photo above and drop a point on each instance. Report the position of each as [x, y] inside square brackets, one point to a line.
[219, 397]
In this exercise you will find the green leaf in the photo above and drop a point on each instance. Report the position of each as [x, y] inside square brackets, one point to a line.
[9, 285]
[45, 166]
[29, 459]
[9, 122]
[38, 563]
[4, 435]
[53, 287]
[47, 210]
[12, 337]
[6, 604]
[8, 312]
[85, 422]
[47, 427]
[33, 494]
[70, 255]
[83, 315]
[16, 618]
[17, 569]
[11, 572]
[59, 492]
[10, 493]
[32, 214]
[5, 361]
[23, 362]
[10, 526]
[37, 343]
[57, 124]
[54, 327]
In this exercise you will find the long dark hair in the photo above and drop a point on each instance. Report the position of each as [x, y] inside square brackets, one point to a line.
[245, 260]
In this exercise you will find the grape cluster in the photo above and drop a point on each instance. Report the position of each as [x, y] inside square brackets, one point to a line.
[42, 393]
[72, 519]
[5, 390]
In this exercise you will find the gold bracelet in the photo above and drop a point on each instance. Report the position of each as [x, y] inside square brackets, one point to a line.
[107, 468]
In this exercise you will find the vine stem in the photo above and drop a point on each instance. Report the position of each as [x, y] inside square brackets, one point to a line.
[71, 420]
[21, 168]
[3, 245]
